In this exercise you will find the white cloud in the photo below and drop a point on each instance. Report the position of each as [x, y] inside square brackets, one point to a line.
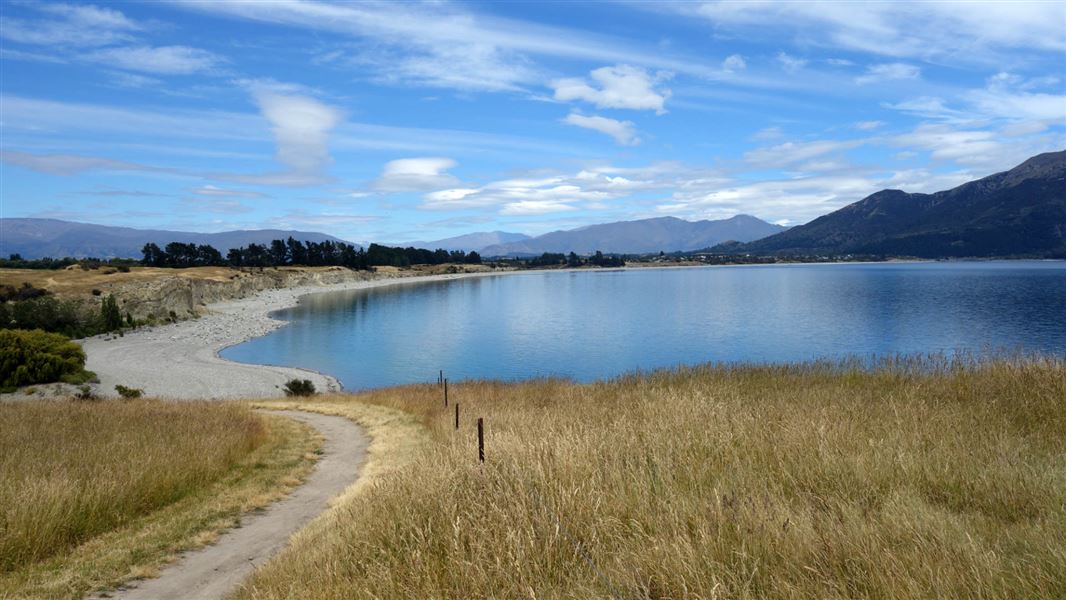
[768, 133]
[468, 66]
[217, 206]
[888, 72]
[72, 25]
[623, 132]
[302, 219]
[69, 164]
[792, 153]
[415, 174]
[301, 127]
[868, 125]
[945, 143]
[535, 207]
[620, 86]
[442, 44]
[589, 188]
[979, 31]
[164, 60]
[1005, 97]
[734, 62]
[789, 63]
[213, 191]
[929, 107]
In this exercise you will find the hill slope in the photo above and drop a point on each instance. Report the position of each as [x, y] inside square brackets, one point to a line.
[37, 238]
[1017, 212]
[667, 234]
[477, 241]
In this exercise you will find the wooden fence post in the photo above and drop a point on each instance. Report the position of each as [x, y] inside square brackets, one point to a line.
[457, 415]
[480, 439]
[445, 393]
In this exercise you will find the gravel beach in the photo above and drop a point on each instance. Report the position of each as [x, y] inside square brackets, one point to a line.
[180, 360]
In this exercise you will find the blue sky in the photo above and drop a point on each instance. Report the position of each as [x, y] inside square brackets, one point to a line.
[405, 121]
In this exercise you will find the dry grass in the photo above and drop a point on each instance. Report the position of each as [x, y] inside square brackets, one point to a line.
[92, 494]
[74, 281]
[911, 479]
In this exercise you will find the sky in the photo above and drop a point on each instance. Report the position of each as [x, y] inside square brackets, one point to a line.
[394, 122]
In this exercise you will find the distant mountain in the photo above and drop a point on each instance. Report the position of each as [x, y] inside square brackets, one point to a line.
[38, 238]
[1017, 212]
[667, 234]
[469, 242]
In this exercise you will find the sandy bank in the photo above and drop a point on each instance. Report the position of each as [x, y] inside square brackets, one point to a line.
[180, 360]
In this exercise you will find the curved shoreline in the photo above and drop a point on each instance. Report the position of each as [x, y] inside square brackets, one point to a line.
[181, 360]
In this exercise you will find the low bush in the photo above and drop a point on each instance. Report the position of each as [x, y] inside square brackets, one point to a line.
[25, 292]
[129, 393]
[28, 357]
[300, 387]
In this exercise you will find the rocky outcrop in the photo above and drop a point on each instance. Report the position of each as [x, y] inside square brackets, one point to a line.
[185, 295]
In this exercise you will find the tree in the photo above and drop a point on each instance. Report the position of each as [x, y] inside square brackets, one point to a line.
[208, 256]
[110, 314]
[153, 256]
[297, 252]
[279, 252]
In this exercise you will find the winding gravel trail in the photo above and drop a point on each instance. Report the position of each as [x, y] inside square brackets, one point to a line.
[216, 570]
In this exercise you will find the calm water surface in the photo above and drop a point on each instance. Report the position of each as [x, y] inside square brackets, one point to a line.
[591, 325]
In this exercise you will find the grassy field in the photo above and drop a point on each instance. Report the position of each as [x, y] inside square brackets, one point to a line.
[914, 479]
[96, 493]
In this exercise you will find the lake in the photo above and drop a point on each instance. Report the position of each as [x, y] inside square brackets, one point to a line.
[590, 325]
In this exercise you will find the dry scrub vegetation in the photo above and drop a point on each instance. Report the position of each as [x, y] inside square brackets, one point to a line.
[95, 493]
[915, 478]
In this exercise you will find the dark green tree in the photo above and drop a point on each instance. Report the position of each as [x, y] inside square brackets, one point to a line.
[110, 314]
[279, 252]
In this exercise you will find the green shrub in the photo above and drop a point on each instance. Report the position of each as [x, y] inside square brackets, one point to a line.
[109, 314]
[28, 357]
[129, 393]
[299, 387]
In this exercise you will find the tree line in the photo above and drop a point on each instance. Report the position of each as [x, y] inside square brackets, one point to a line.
[292, 252]
[599, 259]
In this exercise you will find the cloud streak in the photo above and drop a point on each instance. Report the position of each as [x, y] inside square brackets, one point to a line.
[623, 132]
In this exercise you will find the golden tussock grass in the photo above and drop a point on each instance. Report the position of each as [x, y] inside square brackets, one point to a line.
[912, 478]
[96, 493]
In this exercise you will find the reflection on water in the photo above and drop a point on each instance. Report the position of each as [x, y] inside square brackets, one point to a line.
[590, 325]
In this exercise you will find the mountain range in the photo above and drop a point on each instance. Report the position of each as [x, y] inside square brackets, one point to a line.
[1020, 212]
[38, 238]
[661, 234]
[477, 241]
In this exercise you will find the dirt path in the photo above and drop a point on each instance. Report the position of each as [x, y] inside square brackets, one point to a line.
[216, 570]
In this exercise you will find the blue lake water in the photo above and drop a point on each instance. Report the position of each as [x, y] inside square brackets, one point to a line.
[590, 325]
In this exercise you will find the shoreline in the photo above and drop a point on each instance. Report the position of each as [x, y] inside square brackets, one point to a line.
[181, 361]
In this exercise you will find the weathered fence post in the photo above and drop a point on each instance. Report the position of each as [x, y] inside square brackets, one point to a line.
[480, 439]
[440, 378]
[445, 393]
